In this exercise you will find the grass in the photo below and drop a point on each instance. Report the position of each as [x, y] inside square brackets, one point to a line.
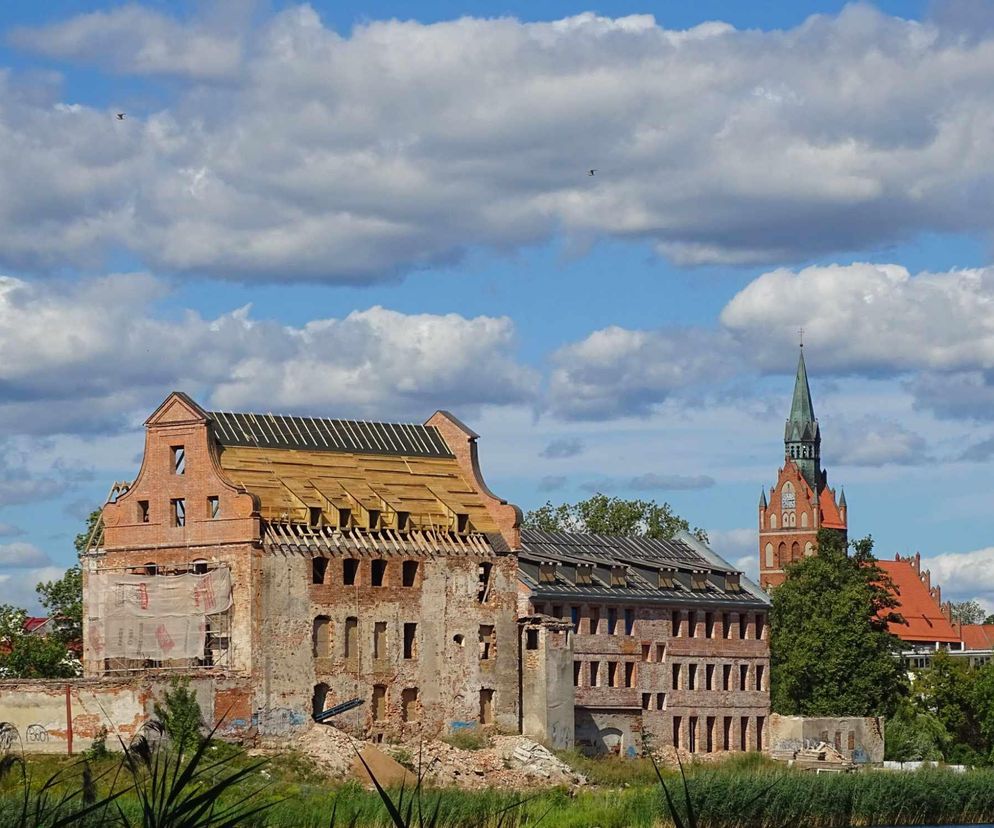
[469, 738]
[747, 791]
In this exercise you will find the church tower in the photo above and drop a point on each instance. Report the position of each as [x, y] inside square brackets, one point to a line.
[800, 503]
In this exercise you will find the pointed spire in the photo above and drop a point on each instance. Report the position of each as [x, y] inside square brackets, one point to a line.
[842, 499]
[802, 411]
[762, 499]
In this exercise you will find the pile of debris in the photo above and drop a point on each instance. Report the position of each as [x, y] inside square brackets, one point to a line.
[511, 762]
[817, 756]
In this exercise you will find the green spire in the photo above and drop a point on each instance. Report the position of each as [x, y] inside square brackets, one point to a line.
[802, 411]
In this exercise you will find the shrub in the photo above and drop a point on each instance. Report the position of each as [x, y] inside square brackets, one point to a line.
[181, 716]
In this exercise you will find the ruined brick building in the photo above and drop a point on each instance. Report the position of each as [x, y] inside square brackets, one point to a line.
[801, 502]
[295, 563]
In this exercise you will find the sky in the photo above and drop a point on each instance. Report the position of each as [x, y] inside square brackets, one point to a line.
[378, 210]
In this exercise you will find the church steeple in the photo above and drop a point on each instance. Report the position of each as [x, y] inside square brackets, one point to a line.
[802, 437]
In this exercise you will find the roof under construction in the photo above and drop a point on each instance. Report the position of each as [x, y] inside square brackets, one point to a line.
[322, 434]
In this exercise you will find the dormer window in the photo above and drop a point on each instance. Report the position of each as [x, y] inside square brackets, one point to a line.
[666, 579]
[374, 520]
[314, 516]
[698, 580]
[402, 520]
[584, 574]
[462, 523]
[179, 459]
[344, 519]
[619, 576]
[733, 582]
[547, 573]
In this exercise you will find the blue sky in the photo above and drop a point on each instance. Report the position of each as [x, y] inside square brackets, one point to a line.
[382, 210]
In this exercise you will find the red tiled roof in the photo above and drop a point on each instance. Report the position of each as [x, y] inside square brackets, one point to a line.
[831, 518]
[978, 636]
[923, 619]
[32, 623]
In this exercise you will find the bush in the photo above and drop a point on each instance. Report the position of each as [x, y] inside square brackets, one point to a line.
[181, 716]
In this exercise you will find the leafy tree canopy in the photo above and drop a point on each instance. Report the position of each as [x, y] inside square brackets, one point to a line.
[605, 515]
[64, 600]
[37, 656]
[967, 612]
[830, 652]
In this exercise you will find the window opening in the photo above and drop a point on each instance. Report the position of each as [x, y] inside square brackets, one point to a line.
[647, 652]
[344, 519]
[584, 574]
[691, 676]
[660, 652]
[743, 676]
[483, 577]
[709, 625]
[675, 624]
[319, 698]
[213, 506]
[645, 700]
[321, 639]
[691, 624]
[726, 735]
[629, 674]
[410, 640]
[143, 511]
[759, 676]
[709, 677]
[726, 677]
[319, 568]
[612, 621]
[151, 569]
[409, 704]
[200, 567]
[743, 624]
[486, 706]
[595, 668]
[487, 642]
[677, 722]
[402, 520]
[379, 640]
[409, 573]
[760, 623]
[314, 516]
[629, 621]
[374, 520]
[676, 676]
[744, 733]
[709, 734]
[379, 702]
[692, 734]
[576, 673]
[379, 572]
[726, 625]
[574, 614]
[760, 721]
[612, 674]
[462, 523]
[179, 459]
[350, 569]
[660, 701]
[595, 620]
[179, 511]
[531, 639]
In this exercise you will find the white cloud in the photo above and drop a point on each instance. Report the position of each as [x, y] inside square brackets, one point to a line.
[21, 555]
[871, 441]
[89, 356]
[964, 576]
[740, 547]
[562, 447]
[135, 40]
[650, 482]
[357, 158]
[19, 588]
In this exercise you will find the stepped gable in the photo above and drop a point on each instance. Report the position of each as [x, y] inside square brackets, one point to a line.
[919, 603]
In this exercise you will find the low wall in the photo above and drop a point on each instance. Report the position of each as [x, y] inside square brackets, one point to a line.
[858, 738]
[47, 714]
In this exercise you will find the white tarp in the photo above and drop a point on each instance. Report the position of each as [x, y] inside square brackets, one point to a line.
[159, 617]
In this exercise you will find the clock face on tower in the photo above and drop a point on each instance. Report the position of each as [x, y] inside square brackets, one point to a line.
[787, 498]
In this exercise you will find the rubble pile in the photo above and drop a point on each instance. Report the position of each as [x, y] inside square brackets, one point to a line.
[536, 761]
[819, 756]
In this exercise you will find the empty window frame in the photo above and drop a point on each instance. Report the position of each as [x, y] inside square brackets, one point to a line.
[760, 724]
[595, 620]
[646, 698]
[486, 706]
[675, 624]
[178, 454]
[319, 569]
[350, 571]
[374, 520]
[574, 617]
[691, 624]
[646, 652]
[743, 624]
[660, 652]
[726, 677]
[200, 567]
[612, 621]
[487, 642]
[547, 573]
[531, 639]
[403, 518]
[677, 728]
[178, 510]
[379, 702]
[691, 676]
[143, 511]
[676, 676]
[378, 572]
[344, 519]
[314, 516]
[484, 571]
[213, 507]
[409, 573]
[660, 701]
[629, 674]
[410, 640]
[619, 576]
[612, 674]
[709, 677]
[709, 625]
[629, 621]
[726, 624]
[595, 669]
[577, 666]
[379, 640]
[759, 676]
[760, 625]
[698, 580]
[743, 677]
[462, 523]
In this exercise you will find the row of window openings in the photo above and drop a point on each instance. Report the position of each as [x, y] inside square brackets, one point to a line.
[710, 741]
[322, 643]
[619, 577]
[177, 510]
[410, 707]
[378, 574]
[316, 519]
[152, 568]
[789, 520]
[619, 674]
[594, 625]
[709, 674]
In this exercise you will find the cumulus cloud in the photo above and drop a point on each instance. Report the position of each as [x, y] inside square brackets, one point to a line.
[136, 40]
[409, 143]
[562, 447]
[18, 588]
[875, 442]
[22, 555]
[964, 576]
[87, 356]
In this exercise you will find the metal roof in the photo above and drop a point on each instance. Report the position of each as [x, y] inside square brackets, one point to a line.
[643, 558]
[322, 434]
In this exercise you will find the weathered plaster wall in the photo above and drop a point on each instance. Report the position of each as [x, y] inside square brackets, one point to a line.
[547, 692]
[860, 739]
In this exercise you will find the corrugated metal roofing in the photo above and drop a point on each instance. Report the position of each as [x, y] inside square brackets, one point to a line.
[643, 558]
[322, 434]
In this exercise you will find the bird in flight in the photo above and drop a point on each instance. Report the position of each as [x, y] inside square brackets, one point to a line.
[120, 116]
[591, 172]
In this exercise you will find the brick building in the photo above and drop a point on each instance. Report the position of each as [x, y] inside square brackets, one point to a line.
[303, 562]
[801, 502]
[668, 640]
[290, 564]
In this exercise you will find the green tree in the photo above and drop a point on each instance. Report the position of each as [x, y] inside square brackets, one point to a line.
[830, 652]
[605, 515]
[64, 598]
[38, 656]
[180, 714]
[83, 538]
[946, 688]
[983, 704]
[967, 612]
[11, 622]
[915, 735]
